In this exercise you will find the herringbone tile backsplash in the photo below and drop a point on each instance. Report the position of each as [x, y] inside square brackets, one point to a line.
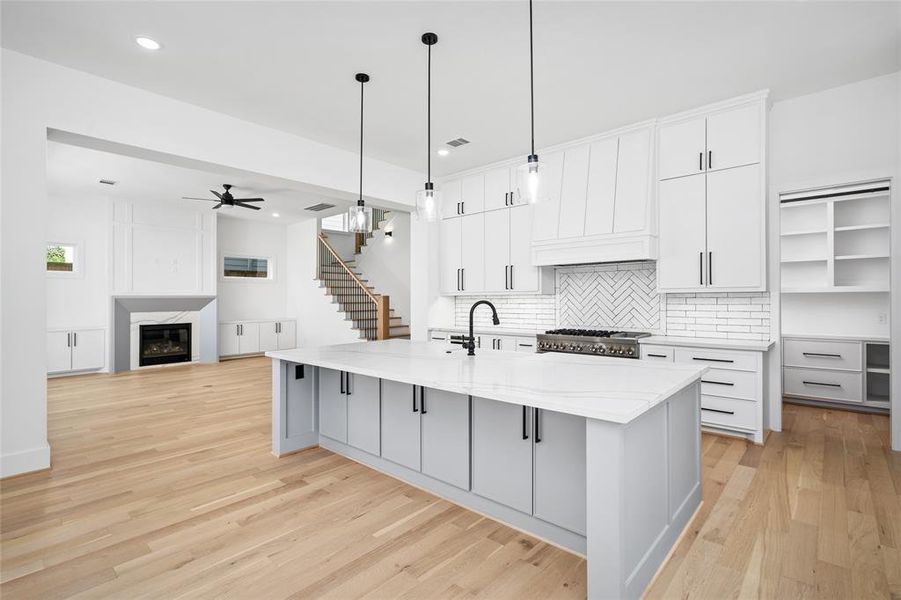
[621, 296]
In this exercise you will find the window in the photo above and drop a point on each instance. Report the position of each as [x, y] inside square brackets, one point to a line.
[246, 267]
[336, 222]
[61, 258]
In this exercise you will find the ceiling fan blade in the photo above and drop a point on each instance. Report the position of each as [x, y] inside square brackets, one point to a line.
[250, 199]
[204, 199]
[218, 195]
[217, 206]
[250, 206]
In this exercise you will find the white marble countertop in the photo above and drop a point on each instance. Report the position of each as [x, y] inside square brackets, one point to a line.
[700, 342]
[489, 330]
[608, 389]
[826, 336]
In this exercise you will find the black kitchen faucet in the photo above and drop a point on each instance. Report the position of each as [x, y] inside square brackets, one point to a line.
[471, 344]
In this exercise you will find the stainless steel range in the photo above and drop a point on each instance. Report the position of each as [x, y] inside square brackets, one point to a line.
[600, 342]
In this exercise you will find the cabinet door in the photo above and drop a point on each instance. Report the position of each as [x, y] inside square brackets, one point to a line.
[733, 138]
[473, 194]
[632, 175]
[560, 469]
[300, 410]
[502, 453]
[88, 348]
[332, 405]
[249, 340]
[450, 250]
[503, 342]
[735, 209]
[682, 233]
[445, 436]
[601, 187]
[400, 423]
[363, 413]
[473, 252]
[547, 211]
[268, 336]
[497, 250]
[680, 148]
[523, 276]
[228, 339]
[573, 193]
[59, 353]
[287, 335]
[497, 188]
[451, 194]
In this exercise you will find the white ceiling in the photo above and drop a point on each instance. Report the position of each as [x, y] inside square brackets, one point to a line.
[74, 172]
[599, 65]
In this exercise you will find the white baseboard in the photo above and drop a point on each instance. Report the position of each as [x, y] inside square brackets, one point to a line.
[25, 461]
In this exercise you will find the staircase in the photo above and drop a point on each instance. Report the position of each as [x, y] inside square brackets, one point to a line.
[369, 311]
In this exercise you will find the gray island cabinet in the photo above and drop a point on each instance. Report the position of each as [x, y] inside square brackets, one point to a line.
[597, 455]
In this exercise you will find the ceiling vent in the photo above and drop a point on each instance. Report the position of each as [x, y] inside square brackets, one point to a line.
[107, 182]
[457, 142]
[319, 207]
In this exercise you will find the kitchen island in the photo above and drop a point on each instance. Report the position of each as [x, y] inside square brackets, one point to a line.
[598, 455]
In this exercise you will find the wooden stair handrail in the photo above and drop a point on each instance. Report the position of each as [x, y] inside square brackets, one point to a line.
[349, 271]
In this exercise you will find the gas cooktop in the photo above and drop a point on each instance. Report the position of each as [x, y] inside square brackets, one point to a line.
[601, 342]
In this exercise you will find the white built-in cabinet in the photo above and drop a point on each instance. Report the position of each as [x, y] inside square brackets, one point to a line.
[252, 337]
[711, 199]
[70, 350]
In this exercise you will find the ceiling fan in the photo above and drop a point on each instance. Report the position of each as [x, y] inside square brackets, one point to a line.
[227, 200]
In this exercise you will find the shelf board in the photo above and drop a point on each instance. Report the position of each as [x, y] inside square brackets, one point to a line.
[863, 227]
[883, 370]
[877, 398]
[807, 232]
[860, 256]
[802, 260]
[832, 289]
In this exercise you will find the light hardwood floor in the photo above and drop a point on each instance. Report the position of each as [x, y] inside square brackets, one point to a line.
[163, 487]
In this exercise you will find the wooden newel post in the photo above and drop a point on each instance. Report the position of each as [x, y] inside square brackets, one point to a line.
[383, 318]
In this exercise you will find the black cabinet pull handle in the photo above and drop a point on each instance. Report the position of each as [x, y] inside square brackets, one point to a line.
[837, 385]
[512, 286]
[463, 279]
[709, 159]
[525, 430]
[349, 378]
[537, 430]
[823, 354]
[341, 379]
[700, 161]
[701, 266]
[718, 382]
[414, 400]
[716, 410]
[422, 399]
[710, 268]
[656, 355]
[74, 338]
[719, 360]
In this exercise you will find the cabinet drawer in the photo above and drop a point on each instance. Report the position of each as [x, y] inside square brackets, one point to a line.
[733, 384]
[661, 353]
[728, 412]
[843, 386]
[525, 344]
[822, 353]
[721, 359]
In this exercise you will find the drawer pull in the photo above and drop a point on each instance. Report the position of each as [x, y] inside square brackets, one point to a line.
[823, 354]
[719, 360]
[838, 385]
[657, 355]
[716, 410]
[526, 345]
[718, 382]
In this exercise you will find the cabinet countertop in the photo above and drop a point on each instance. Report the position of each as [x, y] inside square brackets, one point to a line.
[840, 337]
[700, 342]
[489, 330]
[607, 389]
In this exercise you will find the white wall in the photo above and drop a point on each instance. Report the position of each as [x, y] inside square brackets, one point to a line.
[428, 308]
[385, 262]
[319, 322]
[38, 95]
[252, 298]
[80, 299]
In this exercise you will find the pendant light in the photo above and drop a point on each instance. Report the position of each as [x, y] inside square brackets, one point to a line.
[527, 175]
[359, 217]
[427, 198]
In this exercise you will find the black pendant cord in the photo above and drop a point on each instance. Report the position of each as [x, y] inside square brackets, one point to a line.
[532, 76]
[428, 149]
[360, 201]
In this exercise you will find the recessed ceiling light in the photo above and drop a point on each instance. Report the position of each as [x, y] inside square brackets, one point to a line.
[276, 215]
[443, 151]
[147, 43]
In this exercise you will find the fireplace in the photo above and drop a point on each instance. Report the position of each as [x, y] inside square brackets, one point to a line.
[163, 344]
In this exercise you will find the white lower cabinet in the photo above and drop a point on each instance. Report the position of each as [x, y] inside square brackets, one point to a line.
[277, 335]
[401, 432]
[560, 469]
[76, 350]
[251, 337]
[363, 412]
[332, 405]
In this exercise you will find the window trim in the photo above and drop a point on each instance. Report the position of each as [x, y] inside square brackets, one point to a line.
[270, 262]
[77, 271]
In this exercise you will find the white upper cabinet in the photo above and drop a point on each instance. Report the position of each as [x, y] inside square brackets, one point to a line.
[574, 192]
[450, 254]
[497, 250]
[734, 138]
[473, 190]
[601, 186]
[735, 229]
[633, 172]
[451, 195]
[683, 228]
[524, 276]
[681, 147]
[498, 188]
[547, 212]
[472, 262]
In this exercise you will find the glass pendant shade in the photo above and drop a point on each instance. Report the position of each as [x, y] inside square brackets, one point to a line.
[528, 181]
[427, 203]
[359, 219]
